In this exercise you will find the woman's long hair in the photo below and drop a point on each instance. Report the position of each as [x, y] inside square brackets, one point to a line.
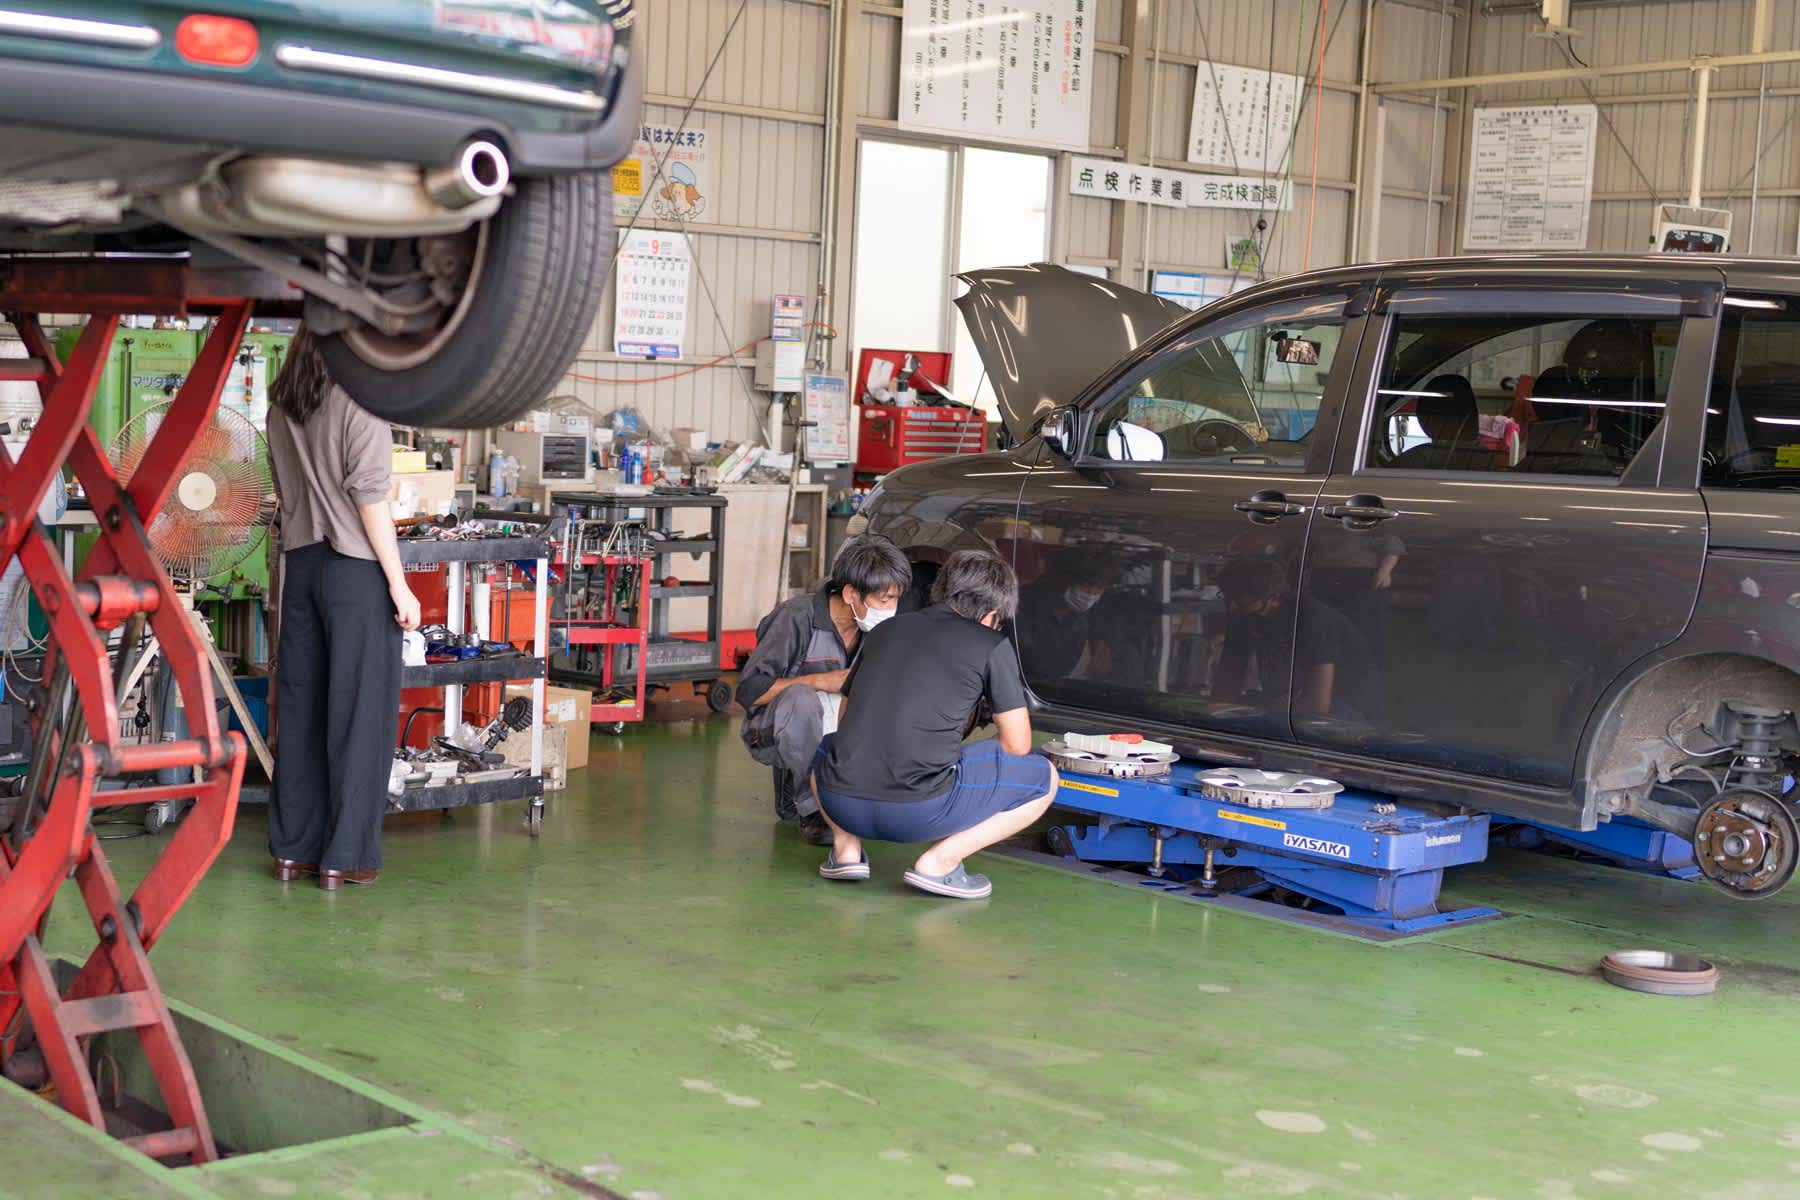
[299, 387]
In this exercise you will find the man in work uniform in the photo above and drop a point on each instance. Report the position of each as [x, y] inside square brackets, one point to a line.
[791, 682]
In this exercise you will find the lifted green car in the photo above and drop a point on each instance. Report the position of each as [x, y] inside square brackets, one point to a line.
[434, 174]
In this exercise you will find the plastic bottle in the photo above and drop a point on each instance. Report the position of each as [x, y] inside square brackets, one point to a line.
[497, 474]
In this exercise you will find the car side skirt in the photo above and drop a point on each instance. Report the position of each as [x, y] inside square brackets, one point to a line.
[1567, 810]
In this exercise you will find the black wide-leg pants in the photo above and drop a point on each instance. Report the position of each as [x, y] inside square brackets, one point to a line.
[337, 681]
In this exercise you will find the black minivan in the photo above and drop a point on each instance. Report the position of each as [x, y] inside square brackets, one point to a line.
[1514, 534]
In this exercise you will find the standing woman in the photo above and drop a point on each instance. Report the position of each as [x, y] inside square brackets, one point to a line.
[344, 601]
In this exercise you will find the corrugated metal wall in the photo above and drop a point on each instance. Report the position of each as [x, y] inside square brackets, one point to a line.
[764, 114]
[1650, 115]
[765, 103]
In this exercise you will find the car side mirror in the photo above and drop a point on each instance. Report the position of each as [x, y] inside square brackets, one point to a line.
[1058, 430]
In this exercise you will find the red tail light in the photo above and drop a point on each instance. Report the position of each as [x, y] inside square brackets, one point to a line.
[216, 41]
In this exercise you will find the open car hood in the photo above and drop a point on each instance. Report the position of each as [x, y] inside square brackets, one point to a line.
[1044, 333]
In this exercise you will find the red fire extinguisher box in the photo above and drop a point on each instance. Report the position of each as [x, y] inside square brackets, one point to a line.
[890, 436]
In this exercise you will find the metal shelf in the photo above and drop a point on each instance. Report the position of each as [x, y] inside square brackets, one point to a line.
[462, 795]
[473, 670]
[684, 546]
[425, 551]
[662, 592]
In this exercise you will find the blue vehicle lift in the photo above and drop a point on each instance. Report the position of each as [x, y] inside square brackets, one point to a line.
[1620, 842]
[1368, 865]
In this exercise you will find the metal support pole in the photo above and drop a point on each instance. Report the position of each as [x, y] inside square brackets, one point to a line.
[457, 601]
[1696, 158]
[1376, 174]
[540, 645]
[1358, 156]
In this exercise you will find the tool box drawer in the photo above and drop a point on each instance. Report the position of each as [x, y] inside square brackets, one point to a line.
[891, 437]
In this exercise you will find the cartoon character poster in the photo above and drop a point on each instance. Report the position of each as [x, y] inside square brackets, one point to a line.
[680, 191]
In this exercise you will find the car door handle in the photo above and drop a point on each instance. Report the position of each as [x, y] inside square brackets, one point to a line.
[1268, 507]
[1360, 512]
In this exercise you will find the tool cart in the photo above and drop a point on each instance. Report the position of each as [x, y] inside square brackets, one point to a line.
[501, 784]
[628, 622]
[604, 608]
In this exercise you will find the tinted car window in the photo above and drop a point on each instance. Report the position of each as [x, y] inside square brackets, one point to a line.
[1521, 395]
[1243, 392]
[1753, 410]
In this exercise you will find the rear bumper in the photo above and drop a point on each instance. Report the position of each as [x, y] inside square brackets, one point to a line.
[224, 115]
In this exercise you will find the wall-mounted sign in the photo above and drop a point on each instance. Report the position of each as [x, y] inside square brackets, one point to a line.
[1107, 179]
[651, 299]
[1196, 289]
[1243, 117]
[1531, 178]
[787, 317]
[1004, 72]
[680, 192]
[828, 408]
[1243, 256]
[1237, 191]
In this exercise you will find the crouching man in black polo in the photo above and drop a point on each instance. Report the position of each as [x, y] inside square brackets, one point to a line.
[897, 770]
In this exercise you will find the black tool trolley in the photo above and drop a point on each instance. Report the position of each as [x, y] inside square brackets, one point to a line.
[646, 524]
[504, 785]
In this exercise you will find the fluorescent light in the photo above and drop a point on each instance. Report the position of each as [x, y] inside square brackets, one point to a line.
[1747, 302]
[1779, 420]
[1404, 392]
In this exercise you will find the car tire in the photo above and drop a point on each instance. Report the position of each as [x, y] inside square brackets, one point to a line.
[541, 272]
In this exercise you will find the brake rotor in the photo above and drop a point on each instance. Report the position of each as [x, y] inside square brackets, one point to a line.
[1113, 766]
[1747, 843]
[1267, 789]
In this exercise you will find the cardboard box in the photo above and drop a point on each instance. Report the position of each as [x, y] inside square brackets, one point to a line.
[425, 492]
[517, 748]
[570, 707]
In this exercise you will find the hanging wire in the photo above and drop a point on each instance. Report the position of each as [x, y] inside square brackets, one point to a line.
[680, 128]
[1312, 191]
[1436, 169]
[1299, 114]
[1575, 60]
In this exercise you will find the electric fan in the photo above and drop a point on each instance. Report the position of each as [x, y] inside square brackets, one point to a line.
[216, 517]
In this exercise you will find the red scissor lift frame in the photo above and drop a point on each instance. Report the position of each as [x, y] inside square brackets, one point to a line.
[45, 1025]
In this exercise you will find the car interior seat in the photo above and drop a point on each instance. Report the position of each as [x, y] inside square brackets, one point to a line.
[1575, 431]
[1451, 418]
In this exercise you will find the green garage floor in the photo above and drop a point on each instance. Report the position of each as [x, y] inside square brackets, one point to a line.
[659, 998]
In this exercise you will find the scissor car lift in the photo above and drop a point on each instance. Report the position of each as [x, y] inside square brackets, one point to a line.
[1366, 864]
[98, 618]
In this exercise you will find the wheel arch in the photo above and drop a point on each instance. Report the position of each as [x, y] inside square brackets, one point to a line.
[1629, 745]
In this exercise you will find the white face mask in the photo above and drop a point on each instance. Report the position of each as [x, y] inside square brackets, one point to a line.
[1079, 600]
[871, 616]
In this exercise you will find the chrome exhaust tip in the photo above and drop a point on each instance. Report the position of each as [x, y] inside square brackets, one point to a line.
[479, 172]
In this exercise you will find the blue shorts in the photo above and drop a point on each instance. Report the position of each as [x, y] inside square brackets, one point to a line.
[988, 781]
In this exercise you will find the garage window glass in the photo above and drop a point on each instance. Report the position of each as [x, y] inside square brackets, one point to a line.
[1521, 395]
[1245, 392]
[1753, 411]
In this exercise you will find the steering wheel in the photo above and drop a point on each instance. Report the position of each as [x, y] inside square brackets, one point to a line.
[1226, 435]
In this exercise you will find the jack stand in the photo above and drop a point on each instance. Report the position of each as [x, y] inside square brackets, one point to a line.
[1365, 865]
[49, 1022]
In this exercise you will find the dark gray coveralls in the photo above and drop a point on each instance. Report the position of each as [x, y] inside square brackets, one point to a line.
[798, 638]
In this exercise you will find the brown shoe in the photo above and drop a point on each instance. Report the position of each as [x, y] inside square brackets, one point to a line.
[331, 881]
[289, 869]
